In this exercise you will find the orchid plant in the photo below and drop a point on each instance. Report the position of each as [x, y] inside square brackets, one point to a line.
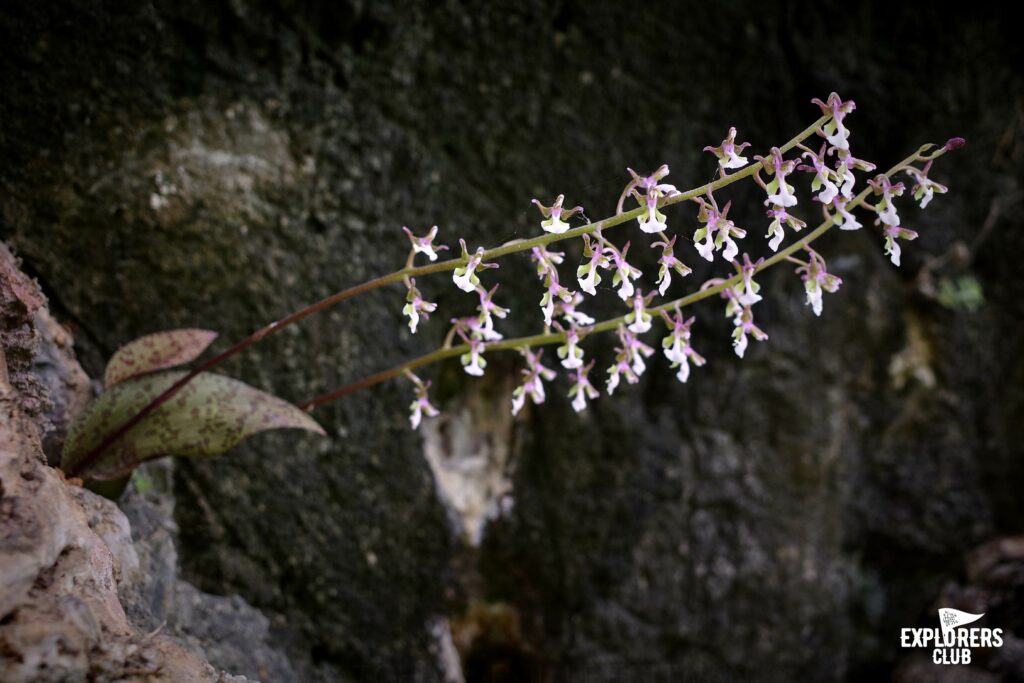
[112, 435]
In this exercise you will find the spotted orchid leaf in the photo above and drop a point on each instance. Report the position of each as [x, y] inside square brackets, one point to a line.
[156, 352]
[208, 416]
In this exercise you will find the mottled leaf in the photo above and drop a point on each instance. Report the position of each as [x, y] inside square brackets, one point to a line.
[207, 417]
[156, 352]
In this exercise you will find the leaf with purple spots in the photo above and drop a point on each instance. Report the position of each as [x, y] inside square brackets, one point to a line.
[208, 416]
[156, 352]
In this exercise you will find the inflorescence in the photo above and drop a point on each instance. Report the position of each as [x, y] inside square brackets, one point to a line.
[566, 325]
[563, 293]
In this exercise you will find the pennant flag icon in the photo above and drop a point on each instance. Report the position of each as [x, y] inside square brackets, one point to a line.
[950, 618]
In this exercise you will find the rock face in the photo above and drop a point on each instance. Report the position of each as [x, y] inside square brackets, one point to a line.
[65, 553]
[225, 630]
[993, 585]
[218, 164]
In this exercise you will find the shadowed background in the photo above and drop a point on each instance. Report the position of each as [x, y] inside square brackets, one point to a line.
[217, 164]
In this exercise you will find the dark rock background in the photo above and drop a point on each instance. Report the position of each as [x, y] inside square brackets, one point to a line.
[218, 164]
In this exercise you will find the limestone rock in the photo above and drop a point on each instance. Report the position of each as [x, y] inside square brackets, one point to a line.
[64, 551]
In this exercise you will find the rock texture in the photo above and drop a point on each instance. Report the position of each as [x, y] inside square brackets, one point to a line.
[225, 630]
[992, 584]
[216, 164]
[64, 551]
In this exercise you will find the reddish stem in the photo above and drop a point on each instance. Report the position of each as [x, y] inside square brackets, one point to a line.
[382, 376]
[90, 458]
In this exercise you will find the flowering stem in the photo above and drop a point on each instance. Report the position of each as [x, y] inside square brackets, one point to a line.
[613, 323]
[276, 326]
[403, 275]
